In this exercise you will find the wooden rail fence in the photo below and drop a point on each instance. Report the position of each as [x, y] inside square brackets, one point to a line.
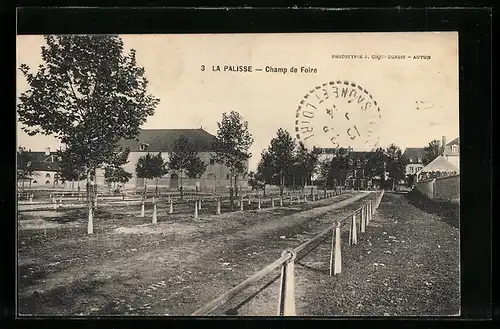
[286, 300]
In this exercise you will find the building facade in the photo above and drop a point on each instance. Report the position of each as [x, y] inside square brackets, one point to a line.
[162, 141]
[45, 170]
[415, 159]
[451, 152]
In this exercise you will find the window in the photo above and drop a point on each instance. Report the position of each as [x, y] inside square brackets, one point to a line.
[419, 160]
[411, 160]
[411, 170]
[47, 176]
[47, 182]
[34, 182]
[227, 176]
[212, 161]
[454, 149]
[142, 147]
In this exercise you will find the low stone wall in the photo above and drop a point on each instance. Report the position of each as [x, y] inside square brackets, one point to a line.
[447, 188]
[442, 188]
[426, 188]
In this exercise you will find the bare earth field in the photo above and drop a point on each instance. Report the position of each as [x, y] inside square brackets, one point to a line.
[405, 264]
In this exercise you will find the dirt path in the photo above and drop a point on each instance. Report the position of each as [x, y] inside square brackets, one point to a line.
[172, 268]
[406, 264]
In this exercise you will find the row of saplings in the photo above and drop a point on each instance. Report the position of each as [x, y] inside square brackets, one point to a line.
[198, 203]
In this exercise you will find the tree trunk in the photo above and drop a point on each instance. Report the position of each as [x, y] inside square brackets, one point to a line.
[181, 188]
[281, 183]
[90, 224]
[231, 195]
[22, 184]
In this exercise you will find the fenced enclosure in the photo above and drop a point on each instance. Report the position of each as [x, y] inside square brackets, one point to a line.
[286, 298]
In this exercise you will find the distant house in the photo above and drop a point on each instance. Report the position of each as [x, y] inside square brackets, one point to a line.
[162, 141]
[451, 152]
[357, 175]
[415, 159]
[45, 169]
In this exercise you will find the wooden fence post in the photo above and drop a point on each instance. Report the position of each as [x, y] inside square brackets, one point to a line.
[171, 209]
[90, 224]
[281, 201]
[155, 219]
[142, 208]
[196, 209]
[362, 214]
[272, 202]
[258, 204]
[241, 203]
[199, 203]
[286, 300]
[249, 200]
[336, 253]
[354, 230]
[218, 206]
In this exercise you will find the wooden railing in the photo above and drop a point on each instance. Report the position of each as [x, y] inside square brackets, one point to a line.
[286, 300]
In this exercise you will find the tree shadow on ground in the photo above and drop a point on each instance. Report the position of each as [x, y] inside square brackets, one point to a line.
[234, 310]
[448, 211]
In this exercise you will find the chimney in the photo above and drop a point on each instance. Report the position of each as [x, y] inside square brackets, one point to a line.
[47, 151]
[443, 139]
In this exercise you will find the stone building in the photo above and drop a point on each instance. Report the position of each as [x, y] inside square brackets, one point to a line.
[162, 141]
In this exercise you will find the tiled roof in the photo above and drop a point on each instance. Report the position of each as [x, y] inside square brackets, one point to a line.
[439, 164]
[414, 153]
[456, 141]
[43, 166]
[162, 140]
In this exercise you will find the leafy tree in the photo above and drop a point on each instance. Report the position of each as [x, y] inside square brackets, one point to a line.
[231, 146]
[184, 158]
[431, 151]
[151, 167]
[88, 94]
[71, 168]
[24, 165]
[396, 164]
[280, 156]
[305, 163]
[377, 164]
[114, 172]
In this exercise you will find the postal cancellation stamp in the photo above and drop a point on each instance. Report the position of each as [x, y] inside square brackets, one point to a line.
[338, 114]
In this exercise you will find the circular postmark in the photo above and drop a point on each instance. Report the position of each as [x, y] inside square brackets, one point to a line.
[338, 114]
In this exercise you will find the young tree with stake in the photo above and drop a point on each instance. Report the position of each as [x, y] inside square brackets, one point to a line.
[89, 94]
[151, 167]
[280, 156]
[231, 146]
[184, 158]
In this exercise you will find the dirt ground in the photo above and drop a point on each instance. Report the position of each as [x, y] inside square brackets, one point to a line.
[131, 267]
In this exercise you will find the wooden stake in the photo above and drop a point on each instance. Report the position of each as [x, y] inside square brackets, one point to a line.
[354, 230]
[196, 209]
[272, 202]
[142, 208]
[338, 252]
[199, 203]
[281, 201]
[258, 204]
[155, 220]
[363, 220]
[286, 300]
[171, 209]
[218, 207]
[90, 224]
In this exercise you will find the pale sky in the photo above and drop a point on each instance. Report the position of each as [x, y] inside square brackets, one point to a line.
[191, 98]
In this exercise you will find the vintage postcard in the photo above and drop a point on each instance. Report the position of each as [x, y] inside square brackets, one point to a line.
[301, 174]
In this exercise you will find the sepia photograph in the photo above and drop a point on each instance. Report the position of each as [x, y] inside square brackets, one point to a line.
[252, 174]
